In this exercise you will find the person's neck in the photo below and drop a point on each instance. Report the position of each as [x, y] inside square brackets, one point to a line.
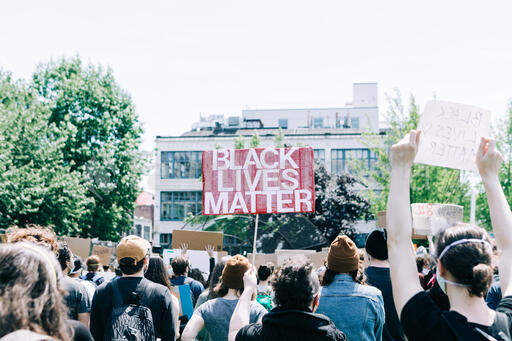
[266, 282]
[472, 307]
[232, 295]
[137, 274]
[379, 263]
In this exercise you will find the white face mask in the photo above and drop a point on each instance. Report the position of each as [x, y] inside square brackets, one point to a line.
[442, 281]
[425, 272]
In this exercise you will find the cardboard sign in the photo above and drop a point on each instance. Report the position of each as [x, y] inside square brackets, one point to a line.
[261, 180]
[318, 259]
[451, 133]
[79, 246]
[3, 238]
[382, 223]
[197, 240]
[428, 219]
[103, 253]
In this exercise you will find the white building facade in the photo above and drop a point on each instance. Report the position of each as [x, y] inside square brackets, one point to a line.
[334, 133]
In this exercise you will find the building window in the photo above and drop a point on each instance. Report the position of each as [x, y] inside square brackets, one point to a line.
[354, 122]
[146, 232]
[138, 230]
[318, 122]
[177, 205]
[180, 165]
[283, 123]
[319, 155]
[341, 159]
[165, 238]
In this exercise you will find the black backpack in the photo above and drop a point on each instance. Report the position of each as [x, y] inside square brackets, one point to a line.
[130, 322]
[463, 332]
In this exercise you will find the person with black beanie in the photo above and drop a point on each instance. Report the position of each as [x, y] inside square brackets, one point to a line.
[377, 275]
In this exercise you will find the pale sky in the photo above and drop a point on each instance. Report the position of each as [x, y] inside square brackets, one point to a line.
[181, 58]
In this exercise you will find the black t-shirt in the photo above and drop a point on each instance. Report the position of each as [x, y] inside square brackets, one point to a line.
[76, 298]
[160, 304]
[380, 278]
[423, 320]
[80, 331]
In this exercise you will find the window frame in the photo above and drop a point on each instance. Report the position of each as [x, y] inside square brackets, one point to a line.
[170, 217]
[171, 162]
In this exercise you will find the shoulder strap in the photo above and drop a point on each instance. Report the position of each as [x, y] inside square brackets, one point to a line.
[147, 291]
[500, 327]
[118, 298]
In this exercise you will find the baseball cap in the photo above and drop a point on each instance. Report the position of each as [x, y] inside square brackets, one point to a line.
[132, 247]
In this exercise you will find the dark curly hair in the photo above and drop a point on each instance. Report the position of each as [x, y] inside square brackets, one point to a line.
[468, 263]
[64, 255]
[31, 296]
[295, 285]
[43, 236]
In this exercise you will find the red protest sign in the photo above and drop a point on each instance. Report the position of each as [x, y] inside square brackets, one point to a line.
[260, 180]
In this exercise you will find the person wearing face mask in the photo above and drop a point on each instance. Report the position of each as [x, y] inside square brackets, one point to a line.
[423, 264]
[132, 289]
[464, 259]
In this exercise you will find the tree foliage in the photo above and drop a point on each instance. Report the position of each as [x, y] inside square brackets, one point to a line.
[75, 142]
[503, 135]
[36, 185]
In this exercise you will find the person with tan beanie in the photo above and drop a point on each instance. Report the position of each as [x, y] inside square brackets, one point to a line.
[214, 315]
[355, 308]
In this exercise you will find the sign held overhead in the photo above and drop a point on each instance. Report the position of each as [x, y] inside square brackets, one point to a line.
[261, 180]
[450, 134]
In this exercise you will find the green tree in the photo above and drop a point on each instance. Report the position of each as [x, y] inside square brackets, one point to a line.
[279, 138]
[102, 136]
[255, 140]
[428, 183]
[503, 136]
[36, 185]
[239, 142]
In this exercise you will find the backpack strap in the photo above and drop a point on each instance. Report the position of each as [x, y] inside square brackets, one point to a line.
[500, 327]
[146, 290]
[118, 298]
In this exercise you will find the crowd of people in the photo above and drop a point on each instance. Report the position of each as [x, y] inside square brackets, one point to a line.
[458, 290]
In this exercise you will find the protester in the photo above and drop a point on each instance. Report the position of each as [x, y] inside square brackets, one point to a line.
[107, 273]
[209, 293]
[214, 315]
[76, 273]
[132, 288]
[46, 238]
[30, 295]
[180, 267]
[423, 264]
[157, 273]
[76, 298]
[296, 290]
[264, 298]
[378, 276]
[92, 275]
[343, 286]
[197, 275]
[464, 264]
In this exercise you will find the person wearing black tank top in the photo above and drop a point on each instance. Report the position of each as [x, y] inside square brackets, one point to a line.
[464, 256]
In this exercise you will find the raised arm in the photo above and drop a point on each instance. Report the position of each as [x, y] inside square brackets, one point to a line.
[488, 161]
[404, 275]
[241, 315]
